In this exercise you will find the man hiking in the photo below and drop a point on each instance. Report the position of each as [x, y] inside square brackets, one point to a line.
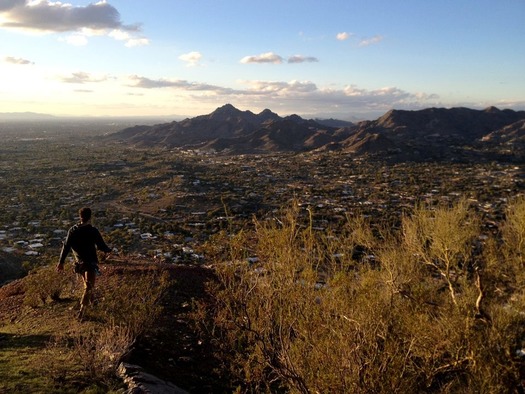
[84, 240]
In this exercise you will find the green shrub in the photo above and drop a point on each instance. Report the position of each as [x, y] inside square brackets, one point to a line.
[432, 311]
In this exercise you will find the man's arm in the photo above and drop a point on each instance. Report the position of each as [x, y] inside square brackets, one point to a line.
[101, 245]
[66, 248]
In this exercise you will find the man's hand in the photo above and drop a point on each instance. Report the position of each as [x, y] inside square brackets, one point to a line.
[60, 267]
[112, 253]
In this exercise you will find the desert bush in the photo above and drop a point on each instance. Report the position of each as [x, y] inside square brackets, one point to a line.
[45, 283]
[510, 254]
[89, 357]
[442, 240]
[424, 315]
[514, 228]
[133, 300]
[99, 352]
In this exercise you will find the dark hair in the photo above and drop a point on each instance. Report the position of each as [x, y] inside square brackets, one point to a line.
[85, 214]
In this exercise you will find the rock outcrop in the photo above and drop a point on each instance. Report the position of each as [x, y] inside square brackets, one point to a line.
[141, 382]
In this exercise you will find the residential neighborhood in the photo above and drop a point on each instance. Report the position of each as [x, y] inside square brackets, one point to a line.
[215, 223]
[167, 203]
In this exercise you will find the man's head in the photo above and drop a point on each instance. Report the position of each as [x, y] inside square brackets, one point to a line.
[85, 214]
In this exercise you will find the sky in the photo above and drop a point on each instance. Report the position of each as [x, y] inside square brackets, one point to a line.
[343, 59]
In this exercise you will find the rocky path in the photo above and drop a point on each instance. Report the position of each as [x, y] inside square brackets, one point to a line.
[175, 351]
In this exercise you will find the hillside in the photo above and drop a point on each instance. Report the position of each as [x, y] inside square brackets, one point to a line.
[510, 138]
[232, 130]
[192, 214]
[433, 133]
[41, 344]
[10, 267]
[428, 134]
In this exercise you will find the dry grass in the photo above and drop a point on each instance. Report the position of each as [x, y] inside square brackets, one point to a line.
[434, 309]
[45, 284]
[86, 354]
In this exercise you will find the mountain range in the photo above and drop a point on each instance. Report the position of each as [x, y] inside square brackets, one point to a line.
[24, 116]
[428, 134]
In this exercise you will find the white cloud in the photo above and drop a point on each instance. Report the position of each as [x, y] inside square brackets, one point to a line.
[47, 16]
[77, 40]
[504, 103]
[82, 77]
[147, 83]
[268, 57]
[288, 96]
[343, 36]
[119, 34]
[17, 60]
[136, 42]
[280, 88]
[362, 42]
[370, 41]
[191, 58]
[131, 41]
[302, 59]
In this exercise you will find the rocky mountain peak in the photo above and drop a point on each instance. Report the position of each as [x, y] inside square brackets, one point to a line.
[267, 115]
[267, 112]
[226, 111]
[491, 110]
[295, 118]
[390, 118]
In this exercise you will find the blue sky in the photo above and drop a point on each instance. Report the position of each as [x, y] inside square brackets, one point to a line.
[316, 58]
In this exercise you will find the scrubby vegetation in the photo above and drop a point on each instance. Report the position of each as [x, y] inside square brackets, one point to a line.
[405, 277]
[435, 305]
[71, 356]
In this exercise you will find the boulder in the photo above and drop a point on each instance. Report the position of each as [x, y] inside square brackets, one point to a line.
[141, 382]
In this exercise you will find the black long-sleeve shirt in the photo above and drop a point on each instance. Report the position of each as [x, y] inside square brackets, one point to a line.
[83, 239]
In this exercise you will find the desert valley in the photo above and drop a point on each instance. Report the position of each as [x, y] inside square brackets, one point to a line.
[178, 193]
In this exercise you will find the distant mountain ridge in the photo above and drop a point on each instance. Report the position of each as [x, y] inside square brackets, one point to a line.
[434, 133]
[24, 116]
[228, 128]
[428, 134]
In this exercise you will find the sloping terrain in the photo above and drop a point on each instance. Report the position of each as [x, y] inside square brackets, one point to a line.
[431, 134]
[428, 134]
[230, 129]
[279, 136]
[32, 337]
[509, 138]
[10, 267]
[225, 122]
